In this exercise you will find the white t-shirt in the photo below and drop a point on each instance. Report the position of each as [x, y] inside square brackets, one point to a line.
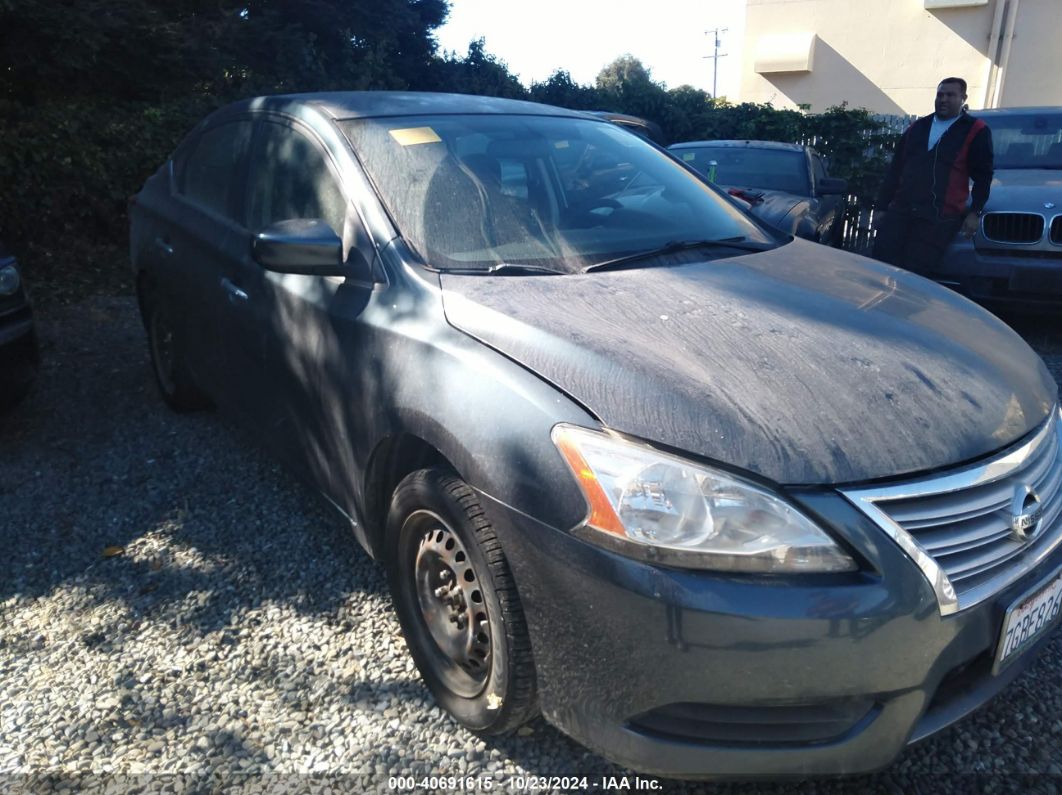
[940, 126]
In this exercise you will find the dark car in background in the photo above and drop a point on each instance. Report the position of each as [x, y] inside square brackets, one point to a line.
[19, 353]
[786, 185]
[715, 500]
[1016, 255]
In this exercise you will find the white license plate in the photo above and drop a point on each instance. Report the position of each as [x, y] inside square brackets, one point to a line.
[1027, 620]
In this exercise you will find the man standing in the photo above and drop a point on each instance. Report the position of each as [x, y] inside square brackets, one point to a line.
[928, 183]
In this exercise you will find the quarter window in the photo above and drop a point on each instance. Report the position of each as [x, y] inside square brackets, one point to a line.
[290, 178]
[208, 173]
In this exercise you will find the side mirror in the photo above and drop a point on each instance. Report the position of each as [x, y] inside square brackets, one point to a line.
[832, 186]
[308, 246]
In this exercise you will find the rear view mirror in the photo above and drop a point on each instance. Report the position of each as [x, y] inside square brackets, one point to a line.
[832, 186]
[308, 246]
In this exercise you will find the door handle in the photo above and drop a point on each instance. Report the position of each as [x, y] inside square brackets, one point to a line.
[163, 246]
[236, 295]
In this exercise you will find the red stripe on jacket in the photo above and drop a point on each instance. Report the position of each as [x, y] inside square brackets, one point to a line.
[958, 189]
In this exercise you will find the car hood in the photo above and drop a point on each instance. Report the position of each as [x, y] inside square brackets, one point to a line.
[1026, 178]
[775, 197]
[774, 205]
[804, 364]
[1025, 189]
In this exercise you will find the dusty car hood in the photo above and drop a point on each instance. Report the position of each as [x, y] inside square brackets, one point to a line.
[776, 202]
[805, 365]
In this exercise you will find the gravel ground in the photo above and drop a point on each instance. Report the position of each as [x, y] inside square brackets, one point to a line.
[176, 614]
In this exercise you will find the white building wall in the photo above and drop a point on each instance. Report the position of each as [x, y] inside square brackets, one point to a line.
[889, 55]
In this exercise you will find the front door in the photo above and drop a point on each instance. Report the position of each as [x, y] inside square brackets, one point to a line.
[277, 324]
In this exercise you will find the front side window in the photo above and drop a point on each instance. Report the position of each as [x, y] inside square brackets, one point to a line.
[207, 172]
[750, 167]
[472, 192]
[290, 178]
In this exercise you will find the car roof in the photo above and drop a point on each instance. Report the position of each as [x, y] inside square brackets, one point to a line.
[989, 112]
[365, 104]
[741, 144]
[649, 128]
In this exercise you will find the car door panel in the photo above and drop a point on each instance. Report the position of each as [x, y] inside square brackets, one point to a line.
[275, 334]
[205, 238]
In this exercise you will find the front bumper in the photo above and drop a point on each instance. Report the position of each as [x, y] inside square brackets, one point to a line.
[999, 276]
[697, 675]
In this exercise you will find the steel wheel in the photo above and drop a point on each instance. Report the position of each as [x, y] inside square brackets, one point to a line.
[451, 603]
[458, 605]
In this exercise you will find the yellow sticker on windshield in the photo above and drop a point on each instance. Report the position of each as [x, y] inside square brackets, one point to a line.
[689, 156]
[410, 136]
[560, 144]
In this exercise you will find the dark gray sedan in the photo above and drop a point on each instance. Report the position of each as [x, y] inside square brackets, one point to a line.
[786, 185]
[716, 501]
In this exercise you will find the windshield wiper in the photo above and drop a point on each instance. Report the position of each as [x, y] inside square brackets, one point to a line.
[673, 247]
[504, 269]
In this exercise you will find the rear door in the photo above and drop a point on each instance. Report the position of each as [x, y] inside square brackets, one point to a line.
[205, 240]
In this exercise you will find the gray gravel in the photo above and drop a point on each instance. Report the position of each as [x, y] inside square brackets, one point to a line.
[172, 603]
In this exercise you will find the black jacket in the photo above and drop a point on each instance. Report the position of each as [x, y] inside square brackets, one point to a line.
[935, 183]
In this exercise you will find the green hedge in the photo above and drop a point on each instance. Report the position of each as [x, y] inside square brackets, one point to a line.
[68, 171]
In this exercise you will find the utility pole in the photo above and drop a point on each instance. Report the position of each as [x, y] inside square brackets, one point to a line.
[715, 58]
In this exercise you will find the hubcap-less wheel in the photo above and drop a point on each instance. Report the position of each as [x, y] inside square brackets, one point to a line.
[457, 602]
[452, 604]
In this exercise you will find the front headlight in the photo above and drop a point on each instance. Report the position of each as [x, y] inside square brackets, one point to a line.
[9, 280]
[663, 508]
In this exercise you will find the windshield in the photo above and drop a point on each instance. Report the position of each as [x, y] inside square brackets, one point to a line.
[1027, 141]
[477, 192]
[750, 167]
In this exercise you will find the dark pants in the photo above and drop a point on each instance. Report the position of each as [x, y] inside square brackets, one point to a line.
[914, 243]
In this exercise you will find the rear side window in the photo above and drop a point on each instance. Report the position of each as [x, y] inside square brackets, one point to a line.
[290, 178]
[208, 172]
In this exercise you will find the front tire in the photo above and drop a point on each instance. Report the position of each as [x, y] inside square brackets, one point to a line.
[457, 603]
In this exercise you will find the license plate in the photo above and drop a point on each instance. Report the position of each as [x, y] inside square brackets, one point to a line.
[1027, 620]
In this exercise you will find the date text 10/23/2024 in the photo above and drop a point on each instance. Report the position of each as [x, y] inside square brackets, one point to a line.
[528, 783]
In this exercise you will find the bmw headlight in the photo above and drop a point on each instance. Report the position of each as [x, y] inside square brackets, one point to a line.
[9, 280]
[663, 508]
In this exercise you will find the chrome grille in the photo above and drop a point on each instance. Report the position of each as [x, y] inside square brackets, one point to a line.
[957, 526]
[1056, 229]
[1013, 227]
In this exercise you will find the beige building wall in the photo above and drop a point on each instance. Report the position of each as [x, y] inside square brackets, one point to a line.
[888, 55]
